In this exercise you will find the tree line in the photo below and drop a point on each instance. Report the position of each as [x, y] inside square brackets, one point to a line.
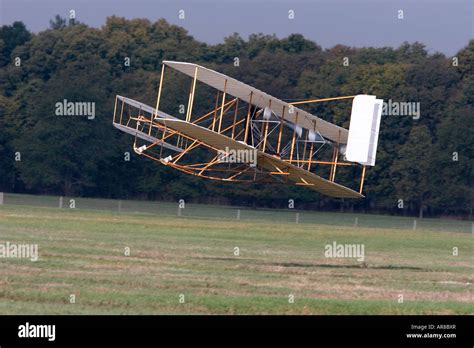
[424, 164]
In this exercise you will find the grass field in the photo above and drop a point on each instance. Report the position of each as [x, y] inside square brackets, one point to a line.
[82, 252]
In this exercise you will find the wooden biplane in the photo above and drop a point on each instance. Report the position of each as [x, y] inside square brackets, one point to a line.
[250, 136]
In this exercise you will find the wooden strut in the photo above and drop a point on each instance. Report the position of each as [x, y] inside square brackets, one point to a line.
[248, 119]
[336, 158]
[189, 109]
[235, 119]
[281, 130]
[311, 150]
[310, 157]
[294, 138]
[191, 97]
[362, 180]
[320, 162]
[215, 112]
[304, 151]
[218, 170]
[321, 100]
[241, 131]
[158, 98]
[222, 107]
[266, 126]
[121, 112]
[115, 107]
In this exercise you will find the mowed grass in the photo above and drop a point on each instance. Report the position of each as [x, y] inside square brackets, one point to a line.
[83, 253]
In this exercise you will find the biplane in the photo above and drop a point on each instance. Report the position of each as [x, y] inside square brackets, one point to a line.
[247, 135]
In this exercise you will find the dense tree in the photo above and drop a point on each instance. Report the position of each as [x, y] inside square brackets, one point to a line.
[12, 36]
[57, 23]
[412, 173]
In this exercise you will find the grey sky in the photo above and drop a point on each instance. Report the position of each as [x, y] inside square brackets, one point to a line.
[442, 25]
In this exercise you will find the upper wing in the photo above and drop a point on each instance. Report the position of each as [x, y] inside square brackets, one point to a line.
[261, 99]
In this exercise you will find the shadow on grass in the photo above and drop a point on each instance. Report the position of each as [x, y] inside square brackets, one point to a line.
[311, 265]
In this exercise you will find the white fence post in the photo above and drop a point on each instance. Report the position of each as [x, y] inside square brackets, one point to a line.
[1, 198]
[414, 224]
[61, 202]
[356, 222]
[297, 218]
[238, 214]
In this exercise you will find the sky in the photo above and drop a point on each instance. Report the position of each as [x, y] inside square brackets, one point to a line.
[442, 25]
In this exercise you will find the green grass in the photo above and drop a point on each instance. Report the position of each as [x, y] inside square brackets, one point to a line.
[220, 212]
[82, 252]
